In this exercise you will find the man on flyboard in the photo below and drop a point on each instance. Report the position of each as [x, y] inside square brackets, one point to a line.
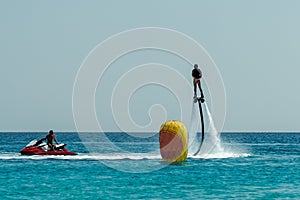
[197, 74]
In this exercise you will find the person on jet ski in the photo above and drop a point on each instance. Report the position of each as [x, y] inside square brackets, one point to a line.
[50, 137]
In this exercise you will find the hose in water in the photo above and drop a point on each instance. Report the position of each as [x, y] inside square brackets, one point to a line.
[202, 124]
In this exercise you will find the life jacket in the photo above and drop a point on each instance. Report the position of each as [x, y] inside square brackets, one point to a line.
[196, 73]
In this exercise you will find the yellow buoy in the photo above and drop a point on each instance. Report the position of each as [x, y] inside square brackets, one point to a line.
[173, 141]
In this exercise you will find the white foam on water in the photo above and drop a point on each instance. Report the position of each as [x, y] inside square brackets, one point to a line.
[123, 156]
[212, 145]
[220, 155]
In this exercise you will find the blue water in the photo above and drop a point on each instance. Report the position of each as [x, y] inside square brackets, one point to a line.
[252, 166]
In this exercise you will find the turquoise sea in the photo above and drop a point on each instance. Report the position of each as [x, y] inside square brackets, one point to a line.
[252, 166]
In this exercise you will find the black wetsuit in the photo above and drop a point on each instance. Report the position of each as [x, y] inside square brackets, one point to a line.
[196, 74]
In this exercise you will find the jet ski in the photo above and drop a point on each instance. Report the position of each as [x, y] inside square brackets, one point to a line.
[39, 147]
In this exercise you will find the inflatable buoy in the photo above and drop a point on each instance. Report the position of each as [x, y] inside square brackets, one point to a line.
[173, 141]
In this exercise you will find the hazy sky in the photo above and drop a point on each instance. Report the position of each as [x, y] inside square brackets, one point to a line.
[255, 44]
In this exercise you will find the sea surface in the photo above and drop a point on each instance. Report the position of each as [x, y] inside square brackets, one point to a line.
[129, 166]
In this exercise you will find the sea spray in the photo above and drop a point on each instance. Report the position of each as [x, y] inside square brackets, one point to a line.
[212, 146]
[193, 129]
[212, 141]
[213, 133]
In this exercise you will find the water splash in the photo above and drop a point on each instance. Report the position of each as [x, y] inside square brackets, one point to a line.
[213, 133]
[212, 142]
[193, 129]
[212, 146]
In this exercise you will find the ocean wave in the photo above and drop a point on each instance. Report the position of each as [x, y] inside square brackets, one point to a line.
[220, 155]
[135, 156]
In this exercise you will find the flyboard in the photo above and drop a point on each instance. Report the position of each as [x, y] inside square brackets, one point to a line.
[200, 100]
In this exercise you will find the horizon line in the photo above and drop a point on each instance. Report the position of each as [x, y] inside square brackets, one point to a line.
[118, 131]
